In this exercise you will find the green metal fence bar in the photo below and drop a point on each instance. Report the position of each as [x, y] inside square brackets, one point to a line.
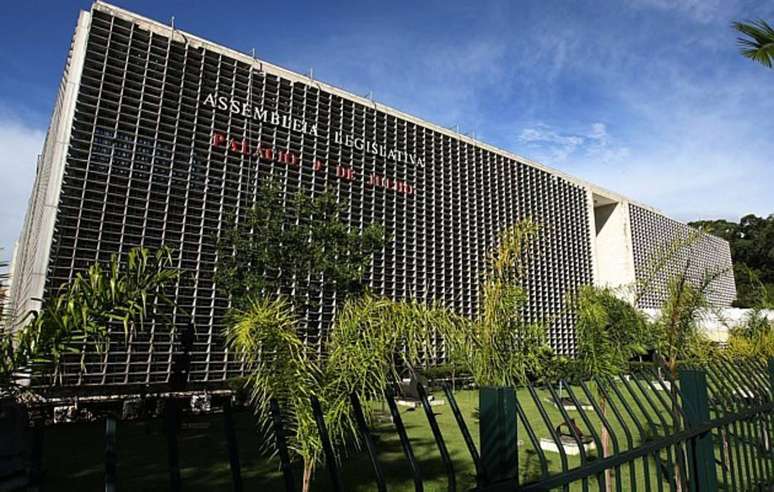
[733, 469]
[327, 446]
[646, 449]
[760, 394]
[36, 456]
[497, 433]
[404, 440]
[173, 457]
[719, 436]
[627, 433]
[651, 425]
[480, 471]
[365, 434]
[232, 446]
[533, 439]
[693, 384]
[744, 474]
[671, 479]
[572, 427]
[282, 446]
[436, 430]
[746, 392]
[645, 466]
[606, 424]
[762, 426]
[601, 479]
[547, 421]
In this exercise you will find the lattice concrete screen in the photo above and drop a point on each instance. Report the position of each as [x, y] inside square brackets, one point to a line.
[160, 137]
[657, 259]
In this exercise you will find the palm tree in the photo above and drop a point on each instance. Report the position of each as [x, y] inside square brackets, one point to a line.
[371, 338]
[368, 335]
[80, 313]
[609, 332]
[758, 41]
[499, 348]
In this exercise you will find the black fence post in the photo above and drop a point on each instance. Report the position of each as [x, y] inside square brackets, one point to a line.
[330, 457]
[170, 411]
[231, 444]
[282, 446]
[771, 377]
[111, 456]
[497, 425]
[36, 456]
[701, 459]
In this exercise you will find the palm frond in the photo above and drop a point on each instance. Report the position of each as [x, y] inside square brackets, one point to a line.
[758, 43]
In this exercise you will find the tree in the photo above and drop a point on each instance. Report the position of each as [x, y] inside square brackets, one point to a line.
[609, 333]
[677, 334]
[269, 262]
[752, 251]
[757, 41]
[371, 338]
[750, 291]
[282, 245]
[80, 313]
[500, 348]
[753, 338]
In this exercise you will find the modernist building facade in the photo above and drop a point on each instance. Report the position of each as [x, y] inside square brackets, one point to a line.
[159, 137]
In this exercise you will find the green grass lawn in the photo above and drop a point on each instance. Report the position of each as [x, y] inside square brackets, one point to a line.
[73, 453]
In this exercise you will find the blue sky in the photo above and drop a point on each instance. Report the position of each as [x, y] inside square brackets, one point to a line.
[649, 98]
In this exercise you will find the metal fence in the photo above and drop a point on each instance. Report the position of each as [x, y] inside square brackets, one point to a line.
[709, 429]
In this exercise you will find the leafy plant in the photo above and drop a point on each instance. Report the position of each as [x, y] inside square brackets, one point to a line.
[752, 250]
[677, 328]
[677, 335]
[80, 313]
[370, 341]
[609, 332]
[283, 244]
[500, 348]
[757, 41]
[273, 262]
[753, 339]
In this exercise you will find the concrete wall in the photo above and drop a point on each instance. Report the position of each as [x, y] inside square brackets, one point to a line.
[615, 266]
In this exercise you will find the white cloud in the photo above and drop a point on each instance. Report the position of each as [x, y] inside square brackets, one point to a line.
[699, 10]
[19, 148]
[556, 147]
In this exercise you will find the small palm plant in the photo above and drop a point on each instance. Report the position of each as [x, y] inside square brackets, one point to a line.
[80, 313]
[758, 41]
[499, 348]
[609, 332]
[371, 338]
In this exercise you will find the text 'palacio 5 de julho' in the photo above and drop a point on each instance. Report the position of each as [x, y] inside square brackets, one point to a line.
[159, 137]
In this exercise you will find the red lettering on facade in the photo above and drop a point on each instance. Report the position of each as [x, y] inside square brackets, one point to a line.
[396, 185]
[292, 159]
[345, 173]
[218, 139]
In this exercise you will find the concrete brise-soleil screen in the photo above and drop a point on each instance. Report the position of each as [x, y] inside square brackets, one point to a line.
[160, 137]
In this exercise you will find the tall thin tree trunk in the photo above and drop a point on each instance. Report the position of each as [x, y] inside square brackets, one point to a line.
[308, 470]
[675, 424]
[605, 443]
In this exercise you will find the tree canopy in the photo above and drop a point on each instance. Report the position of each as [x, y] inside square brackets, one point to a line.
[752, 251]
[282, 244]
